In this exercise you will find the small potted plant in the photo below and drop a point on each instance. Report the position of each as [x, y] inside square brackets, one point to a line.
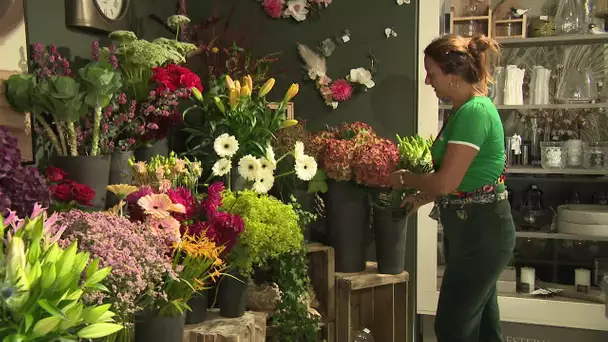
[42, 295]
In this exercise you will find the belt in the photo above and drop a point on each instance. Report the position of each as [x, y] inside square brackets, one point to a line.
[445, 201]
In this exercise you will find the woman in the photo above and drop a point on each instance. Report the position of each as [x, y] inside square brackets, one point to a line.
[468, 189]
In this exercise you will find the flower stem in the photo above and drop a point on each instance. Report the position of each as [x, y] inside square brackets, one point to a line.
[73, 142]
[285, 174]
[61, 135]
[49, 132]
[96, 126]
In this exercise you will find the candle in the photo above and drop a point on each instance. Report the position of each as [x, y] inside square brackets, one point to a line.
[582, 280]
[526, 279]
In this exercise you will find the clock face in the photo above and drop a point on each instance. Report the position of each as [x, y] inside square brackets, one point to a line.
[110, 9]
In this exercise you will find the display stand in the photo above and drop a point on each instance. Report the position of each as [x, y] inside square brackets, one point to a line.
[249, 328]
[378, 302]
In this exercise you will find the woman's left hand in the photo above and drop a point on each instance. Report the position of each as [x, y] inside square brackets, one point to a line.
[394, 179]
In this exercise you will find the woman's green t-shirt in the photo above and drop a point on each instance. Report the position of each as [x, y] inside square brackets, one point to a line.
[476, 124]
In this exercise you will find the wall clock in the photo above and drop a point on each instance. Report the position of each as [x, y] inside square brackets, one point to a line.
[98, 15]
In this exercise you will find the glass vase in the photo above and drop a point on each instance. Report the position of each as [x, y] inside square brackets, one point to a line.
[570, 18]
[595, 155]
[552, 155]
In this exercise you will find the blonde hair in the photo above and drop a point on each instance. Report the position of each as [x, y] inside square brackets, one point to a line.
[473, 59]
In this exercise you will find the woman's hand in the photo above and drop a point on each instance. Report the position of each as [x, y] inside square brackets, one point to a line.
[395, 179]
[414, 202]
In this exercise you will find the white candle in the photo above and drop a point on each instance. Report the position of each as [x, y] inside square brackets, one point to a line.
[582, 280]
[526, 279]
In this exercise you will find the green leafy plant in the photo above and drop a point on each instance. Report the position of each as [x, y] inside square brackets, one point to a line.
[271, 229]
[414, 156]
[43, 285]
[67, 99]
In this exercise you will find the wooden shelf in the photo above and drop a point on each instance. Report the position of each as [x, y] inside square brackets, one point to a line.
[547, 106]
[585, 39]
[535, 170]
[559, 236]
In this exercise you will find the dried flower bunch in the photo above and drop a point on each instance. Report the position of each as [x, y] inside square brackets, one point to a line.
[296, 9]
[163, 173]
[334, 91]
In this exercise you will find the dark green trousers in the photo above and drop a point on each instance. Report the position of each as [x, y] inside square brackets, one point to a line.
[478, 246]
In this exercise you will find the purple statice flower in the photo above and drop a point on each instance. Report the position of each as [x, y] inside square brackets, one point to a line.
[139, 258]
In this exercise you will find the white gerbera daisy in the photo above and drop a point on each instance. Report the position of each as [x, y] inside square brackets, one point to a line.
[306, 167]
[225, 145]
[221, 167]
[249, 167]
[298, 151]
[266, 164]
[263, 182]
[270, 156]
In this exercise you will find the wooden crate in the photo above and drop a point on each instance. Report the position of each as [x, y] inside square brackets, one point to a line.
[459, 17]
[249, 328]
[375, 301]
[321, 270]
[328, 332]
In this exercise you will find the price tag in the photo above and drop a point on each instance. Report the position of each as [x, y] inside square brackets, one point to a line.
[544, 17]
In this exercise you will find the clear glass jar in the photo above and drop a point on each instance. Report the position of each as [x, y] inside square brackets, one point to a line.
[595, 155]
[552, 155]
[574, 152]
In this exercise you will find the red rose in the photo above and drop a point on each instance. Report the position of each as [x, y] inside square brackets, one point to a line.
[83, 194]
[62, 192]
[55, 174]
[191, 80]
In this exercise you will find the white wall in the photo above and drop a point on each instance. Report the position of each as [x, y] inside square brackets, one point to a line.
[13, 49]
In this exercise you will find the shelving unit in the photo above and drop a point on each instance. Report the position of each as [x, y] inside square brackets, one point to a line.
[535, 170]
[540, 107]
[554, 40]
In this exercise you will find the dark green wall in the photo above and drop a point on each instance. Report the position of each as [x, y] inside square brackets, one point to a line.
[389, 107]
[45, 23]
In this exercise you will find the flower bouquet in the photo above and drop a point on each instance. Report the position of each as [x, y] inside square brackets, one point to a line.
[66, 193]
[138, 259]
[231, 108]
[43, 295]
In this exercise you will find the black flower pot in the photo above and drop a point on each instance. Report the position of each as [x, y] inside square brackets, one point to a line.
[93, 171]
[390, 231]
[198, 308]
[159, 329]
[120, 173]
[307, 201]
[233, 295]
[158, 148]
[348, 220]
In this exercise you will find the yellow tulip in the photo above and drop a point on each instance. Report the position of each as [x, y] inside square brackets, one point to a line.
[248, 81]
[234, 98]
[229, 83]
[219, 104]
[245, 90]
[237, 86]
[267, 87]
[291, 92]
[289, 123]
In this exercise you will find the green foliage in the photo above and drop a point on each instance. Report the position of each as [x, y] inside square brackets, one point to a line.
[43, 286]
[293, 322]
[271, 229]
[101, 83]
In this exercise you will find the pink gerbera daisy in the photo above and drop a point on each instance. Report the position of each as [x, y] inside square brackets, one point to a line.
[159, 206]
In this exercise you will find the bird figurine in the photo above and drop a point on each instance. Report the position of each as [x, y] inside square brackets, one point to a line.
[593, 29]
[518, 12]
